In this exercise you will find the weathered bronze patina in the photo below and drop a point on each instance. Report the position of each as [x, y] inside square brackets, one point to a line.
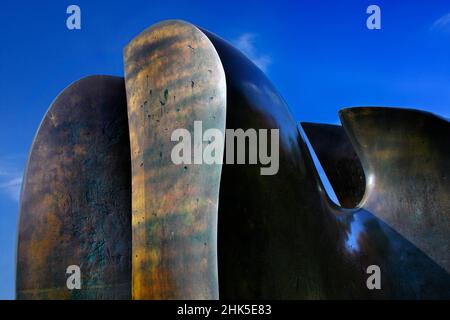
[76, 197]
[173, 77]
[201, 231]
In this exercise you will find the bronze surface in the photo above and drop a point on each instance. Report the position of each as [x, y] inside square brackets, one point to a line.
[76, 198]
[173, 77]
[406, 159]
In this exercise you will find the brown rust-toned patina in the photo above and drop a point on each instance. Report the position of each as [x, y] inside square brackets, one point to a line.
[75, 203]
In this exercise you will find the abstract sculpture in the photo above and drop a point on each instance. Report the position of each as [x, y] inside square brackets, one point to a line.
[210, 231]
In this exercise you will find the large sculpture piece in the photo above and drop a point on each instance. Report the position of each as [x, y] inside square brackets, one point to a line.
[75, 202]
[225, 231]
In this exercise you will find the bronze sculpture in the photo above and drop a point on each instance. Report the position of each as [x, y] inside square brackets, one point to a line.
[210, 231]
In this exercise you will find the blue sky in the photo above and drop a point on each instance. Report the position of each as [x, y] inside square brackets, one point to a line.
[319, 54]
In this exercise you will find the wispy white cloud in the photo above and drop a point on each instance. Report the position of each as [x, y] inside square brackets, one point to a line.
[442, 24]
[11, 175]
[246, 43]
[12, 188]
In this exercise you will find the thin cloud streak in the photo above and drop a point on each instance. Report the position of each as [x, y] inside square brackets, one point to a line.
[246, 43]
[12, 188]
[11, 176]
[442, 24]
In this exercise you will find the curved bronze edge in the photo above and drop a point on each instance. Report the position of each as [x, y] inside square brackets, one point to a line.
[405, 154]
[339, 161]
[76, 197]
[261, 254]
[173, 78]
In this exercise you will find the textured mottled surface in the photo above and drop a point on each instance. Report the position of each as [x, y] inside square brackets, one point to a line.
[173, 78]
[339, 161]
[406, 158]
[76, 198]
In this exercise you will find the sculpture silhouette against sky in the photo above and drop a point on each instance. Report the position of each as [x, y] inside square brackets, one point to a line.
[101, 191]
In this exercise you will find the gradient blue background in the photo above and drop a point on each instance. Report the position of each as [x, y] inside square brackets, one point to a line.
[319, 54]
